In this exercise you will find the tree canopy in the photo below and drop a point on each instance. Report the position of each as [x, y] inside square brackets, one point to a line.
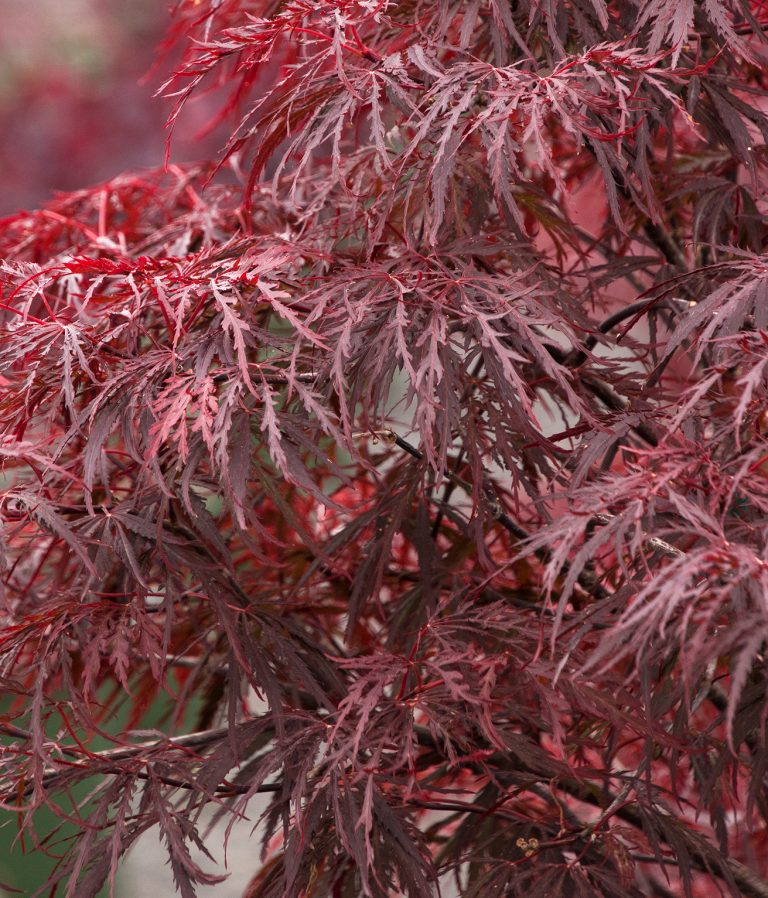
[416, 446]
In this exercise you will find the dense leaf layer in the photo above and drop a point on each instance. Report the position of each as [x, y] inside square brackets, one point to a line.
[417, 447]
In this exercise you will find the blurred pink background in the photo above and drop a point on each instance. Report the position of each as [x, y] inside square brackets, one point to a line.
[72, 110]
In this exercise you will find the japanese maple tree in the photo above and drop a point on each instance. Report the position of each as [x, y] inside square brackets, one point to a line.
[417, 447]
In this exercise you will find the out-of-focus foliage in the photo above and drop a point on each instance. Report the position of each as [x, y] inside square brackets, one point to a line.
[441, 432]
[76, 100]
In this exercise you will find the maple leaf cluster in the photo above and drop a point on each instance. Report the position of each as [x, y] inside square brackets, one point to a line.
[417, 447]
